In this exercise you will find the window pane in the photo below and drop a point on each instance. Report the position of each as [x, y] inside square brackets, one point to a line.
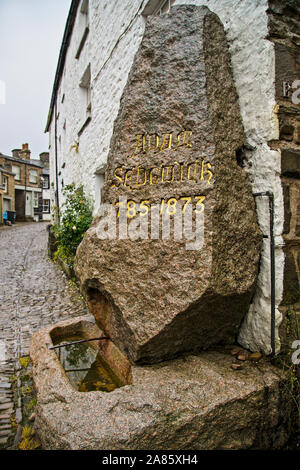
[46, 182]
[16, 171]
[36, 200]
[33, 176]
[46, 206]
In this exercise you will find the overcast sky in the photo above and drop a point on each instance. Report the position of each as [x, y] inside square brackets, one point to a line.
[30, 37]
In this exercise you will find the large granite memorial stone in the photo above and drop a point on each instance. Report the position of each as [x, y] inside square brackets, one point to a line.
[175, 146]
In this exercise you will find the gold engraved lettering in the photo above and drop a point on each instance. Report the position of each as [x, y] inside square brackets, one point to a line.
[119, 204]
[171, 207]
[138, 175]
[128, 172]
[186, 136]
[206, 171]
[131, 211]
[151, 176]
[166, 141]
[167, 173]
[187, 200]
[181, 171]
[118, 177]
[195, 170]
[144, 205]
[185, 141]
[156, 142]
[199, 204]
[166, 205]
[141, 141]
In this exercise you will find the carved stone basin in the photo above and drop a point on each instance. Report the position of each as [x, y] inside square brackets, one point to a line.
[192, 402]
[95, 364]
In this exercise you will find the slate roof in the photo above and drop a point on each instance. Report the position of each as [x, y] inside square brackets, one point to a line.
[37, 163]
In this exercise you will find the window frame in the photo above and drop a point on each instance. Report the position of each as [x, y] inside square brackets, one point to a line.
[13, 171]
[36, 199]
[31, 176]
[48, 210]
[155, 7]
[5, 184]
[84, 12]
[46, 182]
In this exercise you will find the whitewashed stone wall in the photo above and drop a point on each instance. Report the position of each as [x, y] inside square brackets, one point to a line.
[116, 30]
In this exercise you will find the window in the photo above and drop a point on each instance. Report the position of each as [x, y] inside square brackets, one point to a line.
[5, 181]
[46, 206]
[99, 183]
[35, 200]
[83, 22]
[17, 172]
[46, 182]
[158, 7]
[85, 98]
[32, 176]
[85, 85]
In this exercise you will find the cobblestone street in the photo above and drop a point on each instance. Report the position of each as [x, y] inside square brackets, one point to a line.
[33, 293]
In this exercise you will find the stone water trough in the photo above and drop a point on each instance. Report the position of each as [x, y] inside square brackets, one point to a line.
[193, 402]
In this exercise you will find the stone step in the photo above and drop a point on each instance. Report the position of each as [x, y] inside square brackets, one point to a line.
[5, 400]
[6, 428]
[5, 416]
[5, 422]
[6, 406]
[3, 440]
[5, 385]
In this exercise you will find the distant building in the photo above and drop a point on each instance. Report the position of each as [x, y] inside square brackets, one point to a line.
[7, 191]
[24, 178]
[44, 159]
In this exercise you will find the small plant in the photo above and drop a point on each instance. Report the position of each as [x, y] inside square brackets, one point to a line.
[30, 405]
[13, 421]
[27, 432]
[24, 378]
[26, 390]
[28, 442]
[76, 219]
[24, 361]
[75, 146]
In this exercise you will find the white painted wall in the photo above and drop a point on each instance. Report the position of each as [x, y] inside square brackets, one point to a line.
[116, 30]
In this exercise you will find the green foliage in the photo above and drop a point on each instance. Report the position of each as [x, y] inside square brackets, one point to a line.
[25, 390]
[24, 361]
[75, 220]
[28, 442]
[30, 405]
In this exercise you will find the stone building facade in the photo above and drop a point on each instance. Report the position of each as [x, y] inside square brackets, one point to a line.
[100, 42]
[7, 192]
[25, 184]
[44, 159]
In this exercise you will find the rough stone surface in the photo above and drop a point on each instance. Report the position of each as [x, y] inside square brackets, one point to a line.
[180, 83]
[195, 402]
[246, 26]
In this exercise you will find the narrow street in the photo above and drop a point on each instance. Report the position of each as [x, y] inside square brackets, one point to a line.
[33, 293]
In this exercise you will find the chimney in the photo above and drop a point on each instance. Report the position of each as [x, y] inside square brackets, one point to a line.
[16, 153]
[44, 158]
[25, 152]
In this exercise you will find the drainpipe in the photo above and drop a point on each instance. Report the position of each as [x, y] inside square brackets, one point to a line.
[56, 168]
[270, 195]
